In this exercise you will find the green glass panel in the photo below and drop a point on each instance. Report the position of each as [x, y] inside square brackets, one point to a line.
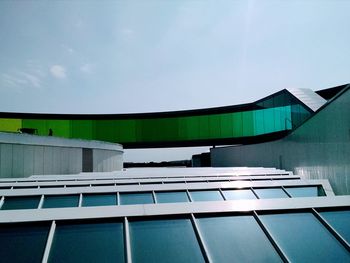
[136, 198]
[237, 124]
[127, 130]
[236, 239]
[269, 121]
[203, 127]
[304, 239]
[238, 194]
[40, 125]
[23, 242]
[248, 123]
[340, 221]
[56, 201]
[165, 241]
[21, 202]
[10, 125]
[172, 197]
[88, 242]
[213, 195]
[82, 129]
[99, 199]
[214, 126]
[259, 122]
[226, 125]
[60, 128]
[192, 128]
[302, 191]
[270, 193]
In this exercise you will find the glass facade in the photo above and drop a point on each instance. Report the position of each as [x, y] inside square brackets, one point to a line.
[23, 242]
[56, 201]
[88, 242]
[169, 240]
[212, 195]
[238, 194]
[172, 197]
[236, 239]
[136, 198]
[270, 193]
[21, 202]
[304, 239]
[99, 199]
[340, 221]
[275, 113]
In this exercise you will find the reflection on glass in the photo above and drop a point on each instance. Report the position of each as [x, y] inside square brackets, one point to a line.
[213, 195]
[136, 198]
[171, 197]
[302, 191]
[56, 201]
[304, 239]
[238, 194]
[340, 221]
[270, 193]
[23, 242]
[88, 242]
[99, 199]
[168, 241]
[21, 202]
[236, 239]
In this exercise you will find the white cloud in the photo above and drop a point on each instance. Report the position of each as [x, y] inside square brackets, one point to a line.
[87, 68]
[58, 71]
[18, 80]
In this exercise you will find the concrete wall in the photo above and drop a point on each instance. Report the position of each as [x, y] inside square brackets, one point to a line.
[23, 155]
[319, 149]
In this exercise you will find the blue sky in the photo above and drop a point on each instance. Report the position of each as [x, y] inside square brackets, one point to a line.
[146, 56]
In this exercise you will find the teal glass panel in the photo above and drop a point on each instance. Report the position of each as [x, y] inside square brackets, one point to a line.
[21, 202]
[269, 120]
[340, 221]
[238, 194]
[259, 121]
[99, 199]
[304, 239]
[23, 242]
[88, 242]
[213, 195]
[270, 193]
[136, 198]
[55, 201]
[302, 191]
[164, 241]
[248, 123]
[172, 197]
[236, 239]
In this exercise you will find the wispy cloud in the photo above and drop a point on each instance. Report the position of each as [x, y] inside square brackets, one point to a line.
[19, 80]
[87, 68]
[58, 71]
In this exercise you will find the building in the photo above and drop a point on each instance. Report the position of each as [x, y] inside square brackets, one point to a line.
[248, 212]
[173, 215]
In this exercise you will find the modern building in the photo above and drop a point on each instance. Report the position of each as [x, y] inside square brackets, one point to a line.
[247, 212]
[173, 215]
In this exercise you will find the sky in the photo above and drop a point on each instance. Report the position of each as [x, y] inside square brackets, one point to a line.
[150, 56]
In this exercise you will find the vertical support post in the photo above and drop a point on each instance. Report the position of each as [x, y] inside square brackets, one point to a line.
[200, 239]
[49, 242]
[127, 240]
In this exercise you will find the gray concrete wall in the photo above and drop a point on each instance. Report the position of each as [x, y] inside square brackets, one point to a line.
[23, 155]
[319, 149]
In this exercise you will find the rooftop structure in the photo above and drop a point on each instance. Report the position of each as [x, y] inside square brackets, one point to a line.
[173, 215]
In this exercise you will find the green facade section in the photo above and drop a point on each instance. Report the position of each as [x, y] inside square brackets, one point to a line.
[274, 114]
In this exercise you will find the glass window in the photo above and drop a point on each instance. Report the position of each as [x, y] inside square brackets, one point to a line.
[171, 197]
[55, 201]
[304, 239]
[302, 191]
[170, 240]
[238, 194]
[236, 239]
[213, 195]
[23, 242]
[88, 242]
[136, 198]
[21, 202]
[340, 221]
[99, 199]
[270, 193]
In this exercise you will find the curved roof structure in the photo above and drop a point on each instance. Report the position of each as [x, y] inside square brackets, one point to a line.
[269, 118]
